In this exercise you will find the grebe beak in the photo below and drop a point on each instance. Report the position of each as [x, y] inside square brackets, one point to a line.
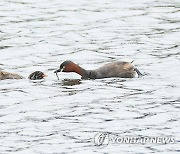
[44, 75]
[59, 70]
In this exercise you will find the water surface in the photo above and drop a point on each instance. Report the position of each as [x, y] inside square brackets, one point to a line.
[52, 116]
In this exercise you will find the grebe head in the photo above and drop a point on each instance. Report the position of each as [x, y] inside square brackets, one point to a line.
[37, 75]
[66, 66]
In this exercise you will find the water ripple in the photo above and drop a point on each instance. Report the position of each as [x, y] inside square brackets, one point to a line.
[51, 116]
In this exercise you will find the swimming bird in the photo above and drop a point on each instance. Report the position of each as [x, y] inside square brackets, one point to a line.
[6, 75]
[37, 75]
[119, 69]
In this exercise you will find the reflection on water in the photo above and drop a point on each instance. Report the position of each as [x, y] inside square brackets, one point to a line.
[63, 116]
[69, 82]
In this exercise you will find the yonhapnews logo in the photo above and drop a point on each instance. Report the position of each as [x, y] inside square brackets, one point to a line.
[104, 139]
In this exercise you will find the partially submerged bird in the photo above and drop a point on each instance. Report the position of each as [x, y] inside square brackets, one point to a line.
[37, 75]
[6, 75]
[115, 69]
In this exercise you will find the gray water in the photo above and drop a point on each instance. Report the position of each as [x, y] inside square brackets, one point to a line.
[51, 116]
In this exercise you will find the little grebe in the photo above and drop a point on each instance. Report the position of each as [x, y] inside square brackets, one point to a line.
[6, 75]
[115, 69]
[37, 75]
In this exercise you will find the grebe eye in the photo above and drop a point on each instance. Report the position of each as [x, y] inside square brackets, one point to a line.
[62, 69]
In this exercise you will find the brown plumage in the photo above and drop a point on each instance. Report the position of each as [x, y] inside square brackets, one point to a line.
[6, 75]
[115, 69]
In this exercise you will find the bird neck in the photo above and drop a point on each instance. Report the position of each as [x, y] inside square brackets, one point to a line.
[81, 71]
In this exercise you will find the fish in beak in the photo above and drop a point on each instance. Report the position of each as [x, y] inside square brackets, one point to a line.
[59, 70]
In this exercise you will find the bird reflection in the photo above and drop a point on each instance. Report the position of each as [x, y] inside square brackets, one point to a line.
[71, 82]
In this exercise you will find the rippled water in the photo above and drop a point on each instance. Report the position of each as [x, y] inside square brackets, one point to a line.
[52, 116]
